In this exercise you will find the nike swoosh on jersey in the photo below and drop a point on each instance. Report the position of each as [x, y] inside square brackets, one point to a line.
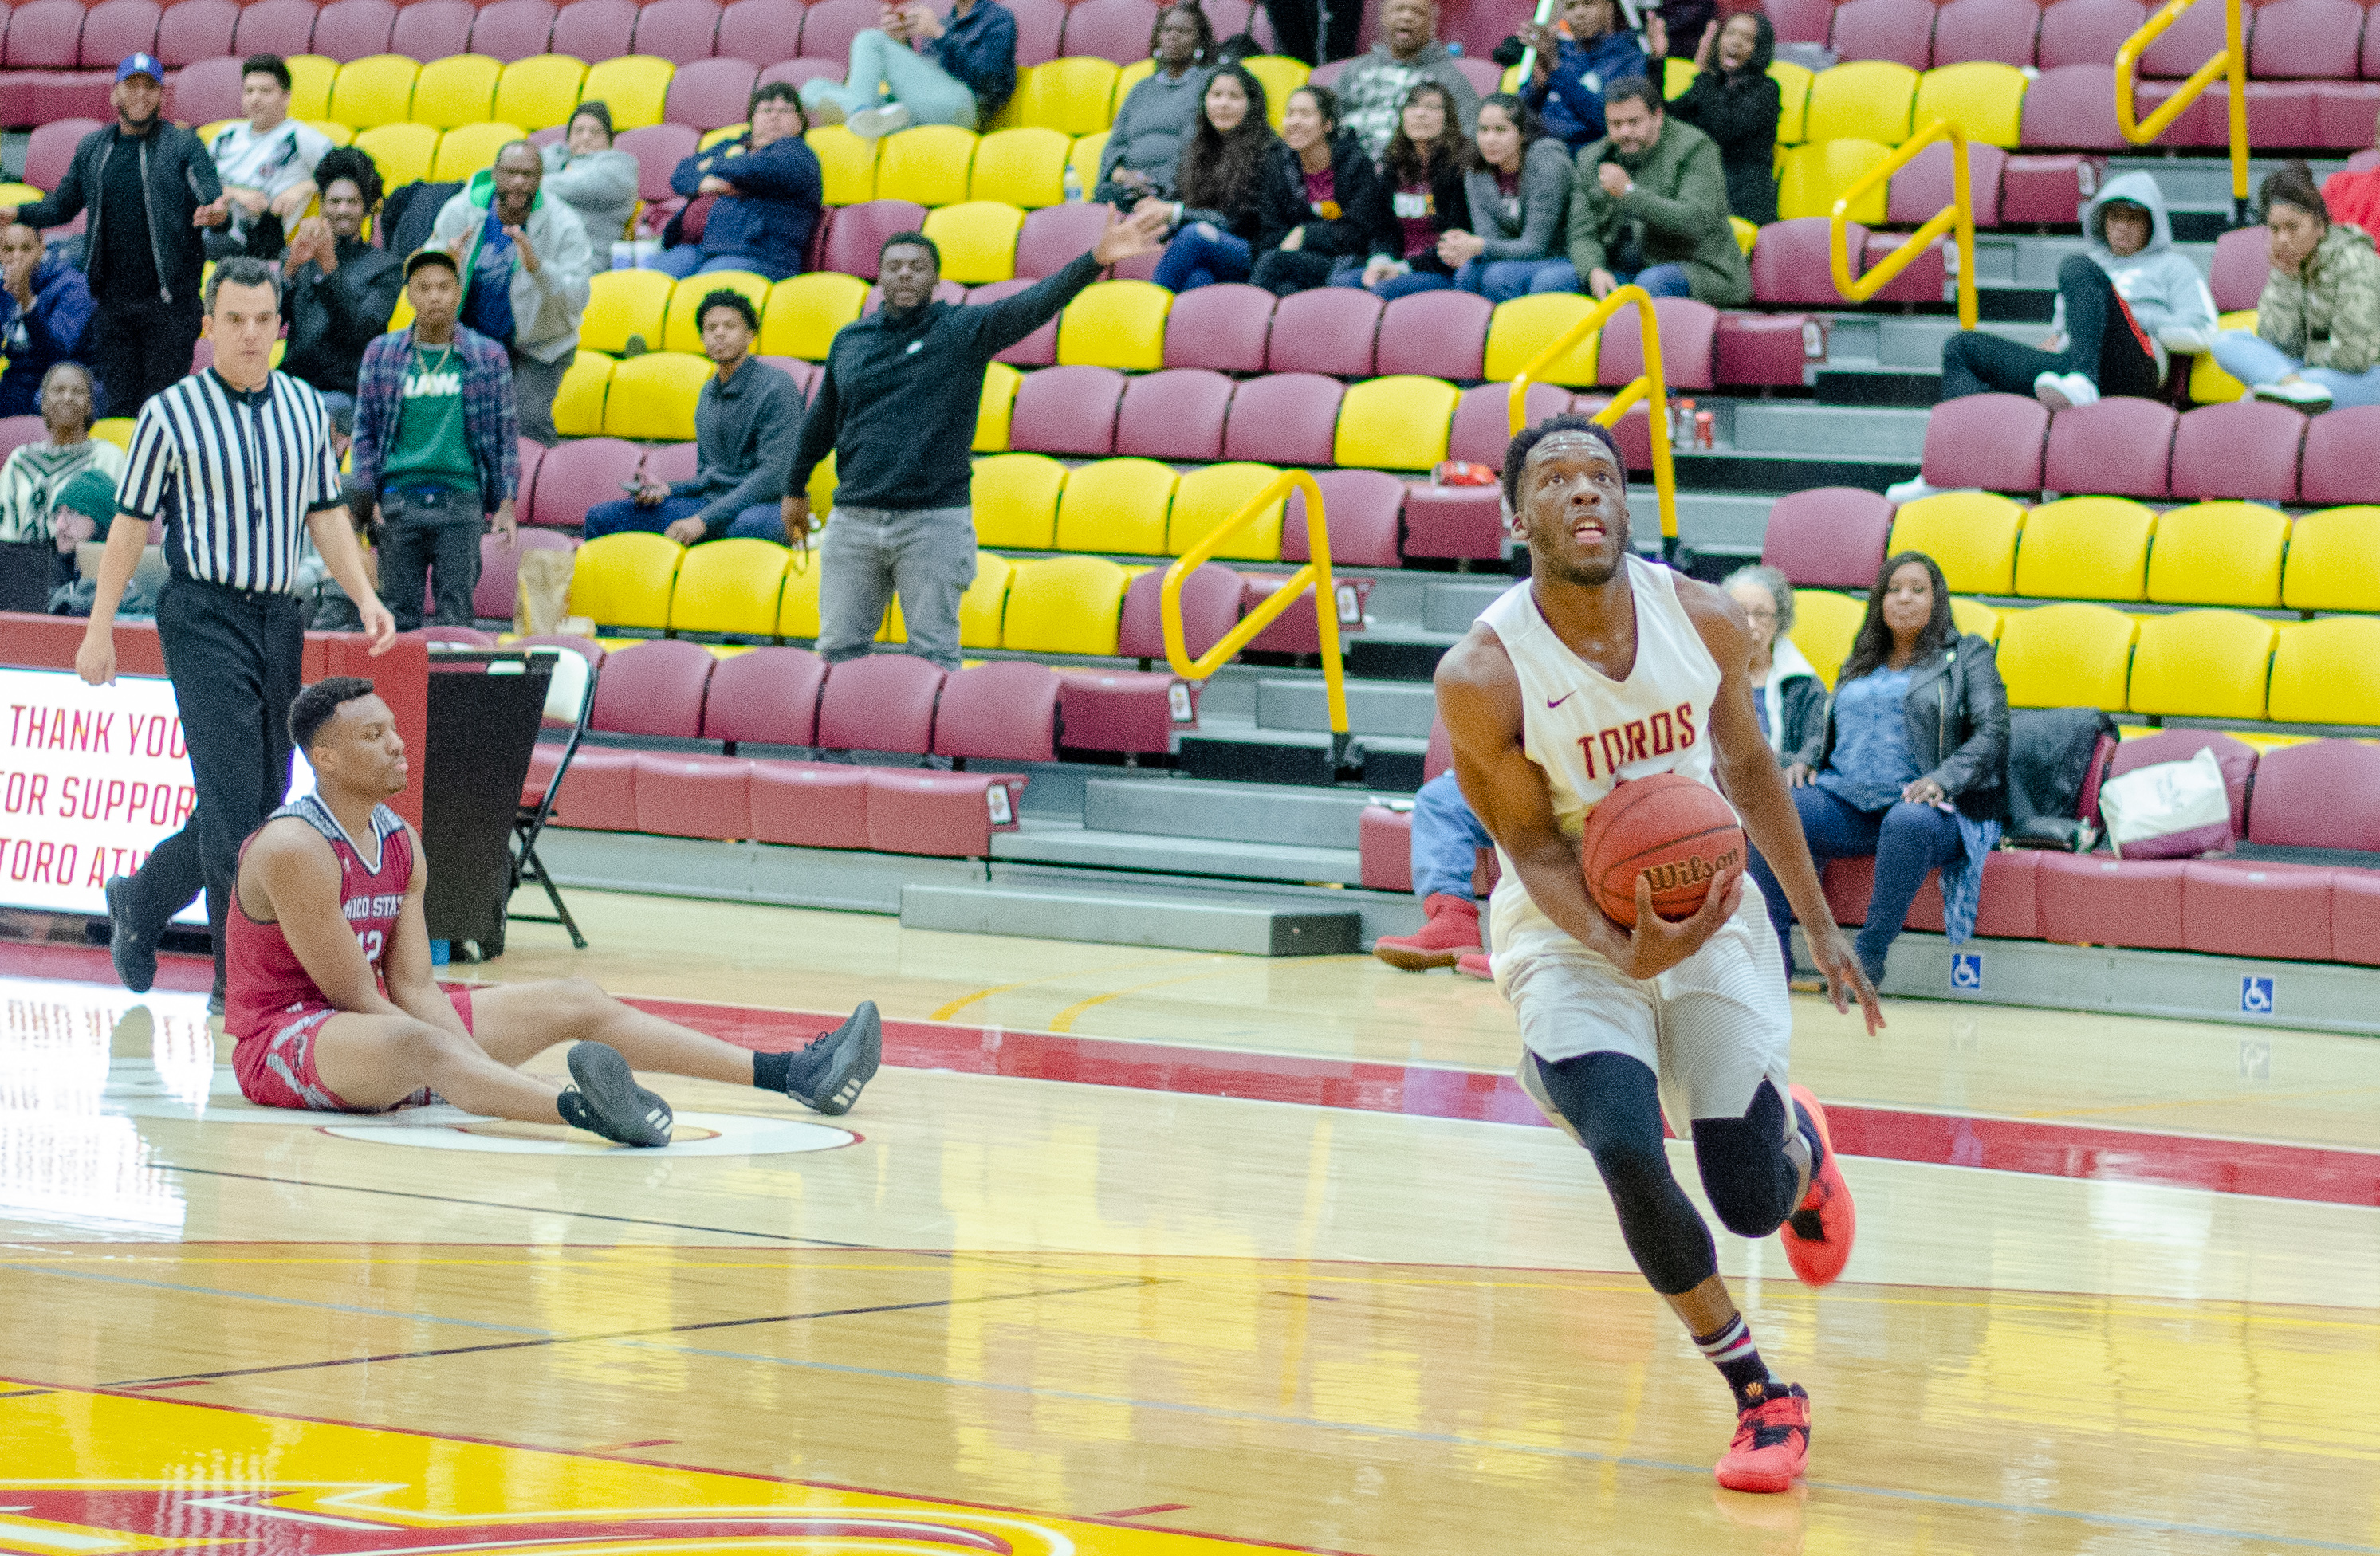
[1557, 702]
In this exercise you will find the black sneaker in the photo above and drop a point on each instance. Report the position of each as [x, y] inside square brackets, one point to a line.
[136, 961]
[608, 1101]
[833, 1067]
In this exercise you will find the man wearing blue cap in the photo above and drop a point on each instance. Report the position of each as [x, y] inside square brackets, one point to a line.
[150, 187]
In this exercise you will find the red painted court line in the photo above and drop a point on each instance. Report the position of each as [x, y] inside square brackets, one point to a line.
[1144, 1512]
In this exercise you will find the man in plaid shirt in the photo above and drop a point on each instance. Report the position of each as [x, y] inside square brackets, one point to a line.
[436, 445]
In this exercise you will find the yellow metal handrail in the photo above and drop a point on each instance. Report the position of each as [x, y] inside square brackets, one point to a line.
[2231, 64]
[1648, 386]
[1317, 572]
[1958, 215]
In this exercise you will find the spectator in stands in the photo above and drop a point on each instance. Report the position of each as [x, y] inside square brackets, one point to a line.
[1153, 129]
[1427, 161]
[584, 171]
[1218, 211]
[437, 446]
[525, 272]
[1571, 76]
[1792, 701]
[919, 69]
[340, 290]
[1674, 29]
[2317, 337]
[2354, 198]
[266, 163]
[896, 407]
[1324, 198]
[1304, 31]
[769, 191]
[1373, 91]
[1909, 762]
[1445, 842]
[151, 188]
[1517, 187]
[1737, 104]
[45, 313]
[34, 505]
[745, 427]
[1649, 205]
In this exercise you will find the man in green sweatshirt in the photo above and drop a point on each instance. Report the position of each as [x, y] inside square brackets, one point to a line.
[1649, 205]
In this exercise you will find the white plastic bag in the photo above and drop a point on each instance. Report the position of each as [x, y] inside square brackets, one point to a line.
[2168, 809]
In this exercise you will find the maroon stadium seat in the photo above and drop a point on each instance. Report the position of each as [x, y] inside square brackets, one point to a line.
[1295, 630]
[2236, 758]
[43, 35]
[767, 696]
[1800, 22]
[678, 31]
[1994, 29]
[2189, 43]
[1210, 607]
[671, 461]
[804, 374]
[810, 804]
[1441, 335]
[530, 460]
[2343, 111]
[114, 28]
[1924, 187]
[1895, 30]
[1482, 423]
[2118, 446]
[191, 30]
[2090, 899]
[693, 795]
[430, 30]
[2320, 794]
[1284, 418]
[1789, 265]
[2086, 31]
[1004, 711]
[2242, 260]
[1055, 235]
[2202, 125]
[2355, 916]
[1770, 350]
[1067, 410]
[1989, 440]
[860, 230]
[1631, 433]
[577, 473]
[346, 29]
[2233, 908]
[829, 27]
[880, 701]
[585, 648]
[203, 92]
[709, 94]
[658, 148]
[276, 27]
[1329, 330]
[795, 72]
[499, 585]
[2305, 41]
[1927, 279]
[1134, 712]
[1440, 757]
[1223, 327]
[1384, 849]
[949, 814]
[1364, 511]
[599, 792]
[1116, 30]
[452, 635]
[2337, 468]
[759, 29]
[1689, 349]
[1176, 414]
[2008, 911]
[1827, 538]
[2073, 107]
[1467, 522]
[511, 30]
[19, 430]
[2279, 113]
[1039, 24]
[51, 148]
[2245, 449]
[2046, 190]
[654, 688]
[594, 30]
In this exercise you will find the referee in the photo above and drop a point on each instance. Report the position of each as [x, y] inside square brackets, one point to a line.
[237, 461]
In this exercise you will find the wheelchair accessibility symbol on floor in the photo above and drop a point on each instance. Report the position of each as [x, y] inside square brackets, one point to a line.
[1967, 970]
[2256, 997]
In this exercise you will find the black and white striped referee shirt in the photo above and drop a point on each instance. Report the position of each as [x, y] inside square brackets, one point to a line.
[234, 474]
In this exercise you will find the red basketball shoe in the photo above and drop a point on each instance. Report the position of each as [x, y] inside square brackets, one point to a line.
[1818, 1235]
[1772, 1444]
[1452, 929]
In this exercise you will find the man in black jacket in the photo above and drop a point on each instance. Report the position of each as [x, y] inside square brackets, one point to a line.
[149, 187]
[341, 289]
[897, 408]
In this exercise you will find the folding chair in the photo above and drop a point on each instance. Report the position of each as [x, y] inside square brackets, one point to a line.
[569, 697]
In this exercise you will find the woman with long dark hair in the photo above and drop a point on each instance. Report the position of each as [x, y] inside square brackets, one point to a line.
[1160, 112]
[1325, 208]
[1218, 215]
[1910, 764]
[2317, 338]
[1426, 160]
[1516, 183]
[1737, 104]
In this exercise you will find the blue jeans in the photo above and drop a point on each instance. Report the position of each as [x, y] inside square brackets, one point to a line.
[1201, 255]
[1395, 286]
[1661, 281]
[1909, 843]
[2254, 360]
[932, 94]
[1447, 839]
[1500, 281]
[762, 521]
[687, 259]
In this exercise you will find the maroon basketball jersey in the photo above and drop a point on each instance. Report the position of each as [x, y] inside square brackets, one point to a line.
[263, 976]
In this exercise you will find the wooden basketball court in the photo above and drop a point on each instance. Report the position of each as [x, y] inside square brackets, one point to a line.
[1131, 1251]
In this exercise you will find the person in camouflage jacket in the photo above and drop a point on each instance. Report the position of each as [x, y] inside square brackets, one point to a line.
[2317, 337]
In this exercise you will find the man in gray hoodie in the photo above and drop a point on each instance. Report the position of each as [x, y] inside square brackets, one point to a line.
[526, 271]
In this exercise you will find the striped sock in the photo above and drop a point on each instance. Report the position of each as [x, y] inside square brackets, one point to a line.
[1731, 1351]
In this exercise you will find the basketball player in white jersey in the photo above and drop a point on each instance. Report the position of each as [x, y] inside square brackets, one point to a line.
[1599, 669]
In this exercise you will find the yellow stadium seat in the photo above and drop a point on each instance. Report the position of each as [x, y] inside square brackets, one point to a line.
[21, 194]
[457, 91]
[1025, 167]
[653, 396]
[2327, 672]
[1519, 330]
[403, 152]
[310, 76]
[540, 92]
[1793, 92]
[978, 238]
[1676, 75]
[2203, 663]
[798, 604]
[462, 152]
[1396, 423]
[822, 488]
[621, 304]
[626, 580]
[1116, 505]
[1746, 234]
[1131, 76]
[1825, 623]
[848, 163]
[578, 403]
[998, 403]
[377, 90]
[1064, 605]
[207, 134]
[1970, 535]
[2218, 553]
[804, 311]
[1981, 97]
[1083, 157]
[114, 430]
[1815, 175]
[1210, 496]
[1279, 75]
[1974, 615]
[1068, 95]
[634, 86]
[682, 330]
[2333, 562]
[2087, 547]
[2209, 384]
[1115, 324]
[1867, 98]
[2067, 655]
[336, 134]
[730, 586]
[724, 133]
[1016, 498]
[928, 165]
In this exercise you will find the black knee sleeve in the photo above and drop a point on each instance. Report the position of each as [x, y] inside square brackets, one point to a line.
[1612, 1102]
[1746, 1173]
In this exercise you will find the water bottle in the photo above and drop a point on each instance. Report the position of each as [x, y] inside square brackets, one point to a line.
[1074, 185]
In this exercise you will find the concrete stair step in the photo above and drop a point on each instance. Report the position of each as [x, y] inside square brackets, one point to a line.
[1173, 810]
[1045, 843]
[1118, 919]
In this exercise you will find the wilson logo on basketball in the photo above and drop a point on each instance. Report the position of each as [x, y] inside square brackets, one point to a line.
[1638, 739]
[1695, 871]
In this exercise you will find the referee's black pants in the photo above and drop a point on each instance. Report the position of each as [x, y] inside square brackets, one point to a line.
[235, 661]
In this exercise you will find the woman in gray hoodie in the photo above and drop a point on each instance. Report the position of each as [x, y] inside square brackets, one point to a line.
[586, 175]
[1518, 180]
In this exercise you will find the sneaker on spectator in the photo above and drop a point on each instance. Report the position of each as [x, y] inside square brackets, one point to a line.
[1474, 965]
[1452, 929]
[874, 124]
[1911, 491]
[2063, 391]
[2304, 393]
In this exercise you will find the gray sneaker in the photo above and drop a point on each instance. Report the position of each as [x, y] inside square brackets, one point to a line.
[608, 1101]
[135, 958]
[833, 1069]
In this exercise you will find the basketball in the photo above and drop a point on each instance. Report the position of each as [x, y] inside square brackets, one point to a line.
[1679, 832]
